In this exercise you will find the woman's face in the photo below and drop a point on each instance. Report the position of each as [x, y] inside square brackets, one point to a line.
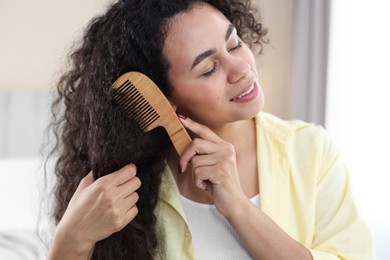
[212, 72]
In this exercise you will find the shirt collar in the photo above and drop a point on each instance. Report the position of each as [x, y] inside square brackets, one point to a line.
[279, 130]
[169, 192]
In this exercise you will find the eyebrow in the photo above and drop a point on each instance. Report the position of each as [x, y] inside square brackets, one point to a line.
[229, 32]
[208, 53]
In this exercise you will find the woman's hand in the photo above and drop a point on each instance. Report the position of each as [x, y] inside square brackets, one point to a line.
[98, 209]
[212, 162]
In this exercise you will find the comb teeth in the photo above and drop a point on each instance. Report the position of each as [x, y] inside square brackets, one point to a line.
[128, 96]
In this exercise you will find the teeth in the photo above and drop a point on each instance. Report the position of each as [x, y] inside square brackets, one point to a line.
[245, 93]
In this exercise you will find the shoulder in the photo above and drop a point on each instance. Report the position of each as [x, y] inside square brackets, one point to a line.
[287, 131]
[295, 140]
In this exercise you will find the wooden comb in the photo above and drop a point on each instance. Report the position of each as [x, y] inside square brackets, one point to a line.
[142, 99]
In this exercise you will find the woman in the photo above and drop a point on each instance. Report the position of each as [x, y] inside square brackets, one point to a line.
[248, 186]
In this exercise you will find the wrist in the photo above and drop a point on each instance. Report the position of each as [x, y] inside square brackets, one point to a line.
[239, 211]
[69, 245]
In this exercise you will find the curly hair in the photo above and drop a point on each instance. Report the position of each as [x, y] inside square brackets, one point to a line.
[93, 133]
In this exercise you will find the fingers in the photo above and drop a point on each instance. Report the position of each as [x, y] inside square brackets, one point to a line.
[122, 183]
[202, 177]
[118, 195]
[128, 208]
[102, 207]
[123, 175]
[194, 150]
[129, 187]
[127, 202]
[88, 179]
[203, 169]
[119, 188]
[123, 213]
[130, 202]
[85, 182]
[131, 214]
[117, 178]
[207, 143]
[202, 131]
[211, 159]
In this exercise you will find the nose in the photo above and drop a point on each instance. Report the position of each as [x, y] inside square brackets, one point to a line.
[239, 69]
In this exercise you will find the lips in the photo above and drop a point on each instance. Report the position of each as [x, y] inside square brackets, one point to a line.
[246, 92]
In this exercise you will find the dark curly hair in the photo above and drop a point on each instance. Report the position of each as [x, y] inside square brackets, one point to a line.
[93, 133]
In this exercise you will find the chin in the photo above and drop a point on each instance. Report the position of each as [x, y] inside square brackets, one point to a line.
[257, 108]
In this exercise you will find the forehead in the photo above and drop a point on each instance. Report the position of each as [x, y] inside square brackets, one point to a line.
[194, 32]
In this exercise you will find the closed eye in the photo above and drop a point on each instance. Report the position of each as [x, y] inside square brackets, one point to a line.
[212, 71]
[215, 65]
[238, 46]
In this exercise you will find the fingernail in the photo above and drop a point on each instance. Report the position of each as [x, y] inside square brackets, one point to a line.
[182, 117]
[205, 188]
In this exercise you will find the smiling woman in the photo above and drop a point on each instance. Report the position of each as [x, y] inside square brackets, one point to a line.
[273, 189]
[210, 78]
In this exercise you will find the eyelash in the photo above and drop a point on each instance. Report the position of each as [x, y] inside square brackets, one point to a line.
[238, 46]
[215, 66]
[212, 71]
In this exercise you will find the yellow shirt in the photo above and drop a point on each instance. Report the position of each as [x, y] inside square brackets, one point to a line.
[304, 187]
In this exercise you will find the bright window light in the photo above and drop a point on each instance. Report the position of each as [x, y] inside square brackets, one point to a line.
[358, 106]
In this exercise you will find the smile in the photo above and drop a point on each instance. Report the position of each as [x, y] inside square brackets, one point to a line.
[245, 93]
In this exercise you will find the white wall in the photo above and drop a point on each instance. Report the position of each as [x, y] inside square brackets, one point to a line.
[275, 65]
[35, 36]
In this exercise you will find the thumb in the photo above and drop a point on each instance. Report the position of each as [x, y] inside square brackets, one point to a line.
[85, 182]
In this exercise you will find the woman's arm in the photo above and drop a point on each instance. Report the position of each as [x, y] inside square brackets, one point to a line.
[97, 210]
[340, 232]
[263, 237]
[213, 163]
[65, 247]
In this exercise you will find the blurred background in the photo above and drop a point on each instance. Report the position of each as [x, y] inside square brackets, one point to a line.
[328, 62]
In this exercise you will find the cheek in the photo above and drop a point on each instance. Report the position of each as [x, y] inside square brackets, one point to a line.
[197, 98]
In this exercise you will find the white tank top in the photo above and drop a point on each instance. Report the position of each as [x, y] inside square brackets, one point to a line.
[212, 235]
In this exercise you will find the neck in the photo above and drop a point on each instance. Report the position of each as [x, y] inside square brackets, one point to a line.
[241, 134]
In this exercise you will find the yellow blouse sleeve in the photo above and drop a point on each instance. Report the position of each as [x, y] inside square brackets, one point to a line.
[340, 233]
